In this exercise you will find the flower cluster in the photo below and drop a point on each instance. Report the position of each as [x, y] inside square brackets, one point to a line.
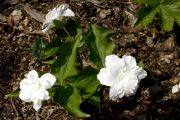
[176, 88]
[34, 89]
[56, 14]
[122, 75]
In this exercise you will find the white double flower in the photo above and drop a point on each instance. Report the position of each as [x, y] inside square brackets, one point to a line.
[34, 89]
[57, 13]
[122, 75]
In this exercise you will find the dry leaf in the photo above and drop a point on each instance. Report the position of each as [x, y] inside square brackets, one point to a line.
[33, 13]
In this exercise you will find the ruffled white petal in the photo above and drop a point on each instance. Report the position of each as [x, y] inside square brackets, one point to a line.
[112, 61]
[62, 7]
[37, 104]
[68, 13]
[105, 77]
[32, 76]
[25, 96]
[47, 80]
[141, 74]
[24, 84]
[129, 60]
[115, 94]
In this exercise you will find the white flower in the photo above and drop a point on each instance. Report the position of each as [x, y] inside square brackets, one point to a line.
[34, 89]
[122, 75]
[176, 88]
[56, 14]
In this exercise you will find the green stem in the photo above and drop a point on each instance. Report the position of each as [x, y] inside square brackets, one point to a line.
[68, 34]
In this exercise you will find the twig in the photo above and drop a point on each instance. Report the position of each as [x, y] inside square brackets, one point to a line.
[14, 107]
[3, 23]
[37, 116]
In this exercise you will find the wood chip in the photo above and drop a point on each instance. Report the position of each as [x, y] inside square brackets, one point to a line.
[33, 13]
[2, 18]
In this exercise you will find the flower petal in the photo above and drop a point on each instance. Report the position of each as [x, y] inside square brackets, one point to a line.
[25, 96]
[62, 8]
[140, 73]
[37, 104]
[47, 80]
[25, 84]
[32, 75]
[40, 94]
[112, 61]
[105, 77]
[68, 13]
[129, 60]
[126, 86]
[114, 64]
[115, 94]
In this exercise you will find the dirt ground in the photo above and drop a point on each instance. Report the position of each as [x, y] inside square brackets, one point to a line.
[159, 51]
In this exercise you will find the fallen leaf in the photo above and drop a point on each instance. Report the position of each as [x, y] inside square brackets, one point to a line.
[33, 13]
[16, 16]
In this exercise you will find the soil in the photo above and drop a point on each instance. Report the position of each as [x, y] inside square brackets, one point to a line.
[159, 51]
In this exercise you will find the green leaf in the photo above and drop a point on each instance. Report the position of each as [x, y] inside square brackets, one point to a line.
[69, 98]
[145, 16]
[166, 19]
[86, 81]
[98, 43]
[52, 91]
[38, 48]
[174, 10]
[168, 12]
[59, 24]
[64, 66]
[53, 47]
[71, 31]
[150, 2]
[141, 64]
[95, 100]
[14, 94]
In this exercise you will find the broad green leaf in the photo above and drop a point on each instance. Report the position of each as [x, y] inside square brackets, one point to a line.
[50, 62]
[168, 12]
[14, 94]
[166, 20]
[69, 98]
[38, 48]
[146, 16]
[95, 100]
[52, 92]
[170, 2]
[53, 47]
[174, 11]
[98, 43]
[59, 24]
[64, 66]
[71, 31]
[86, 81]
[150, 2]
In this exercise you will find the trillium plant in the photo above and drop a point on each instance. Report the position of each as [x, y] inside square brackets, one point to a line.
[71, 81]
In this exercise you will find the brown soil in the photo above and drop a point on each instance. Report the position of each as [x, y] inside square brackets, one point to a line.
[159, 51]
